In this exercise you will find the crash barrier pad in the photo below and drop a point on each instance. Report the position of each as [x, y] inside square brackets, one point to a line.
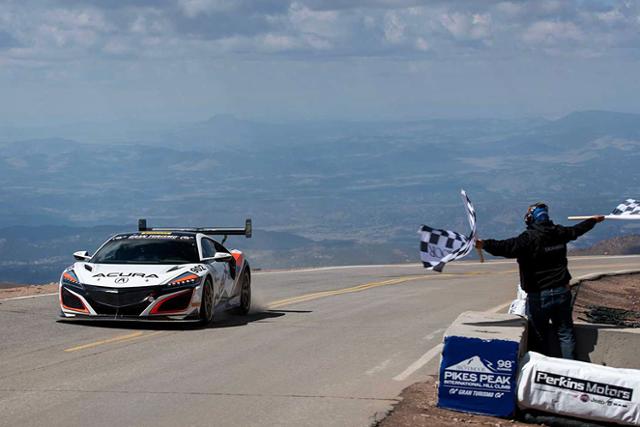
[479, 363]
[579, 389]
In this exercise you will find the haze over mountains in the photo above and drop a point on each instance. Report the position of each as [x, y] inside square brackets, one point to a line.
[320, 193]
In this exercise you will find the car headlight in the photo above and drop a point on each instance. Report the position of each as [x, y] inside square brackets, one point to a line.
[69, 278]
[185, 279]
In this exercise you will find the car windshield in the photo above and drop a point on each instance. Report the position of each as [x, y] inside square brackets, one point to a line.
[148, 249]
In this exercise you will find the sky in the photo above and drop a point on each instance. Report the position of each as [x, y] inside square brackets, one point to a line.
[67, 61]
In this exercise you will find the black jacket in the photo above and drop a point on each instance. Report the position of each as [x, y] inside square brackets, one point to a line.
[541, 251]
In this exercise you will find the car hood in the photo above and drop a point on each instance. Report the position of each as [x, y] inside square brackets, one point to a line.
[128, 275]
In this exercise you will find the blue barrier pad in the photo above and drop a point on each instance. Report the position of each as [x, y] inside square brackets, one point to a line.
[478, 376]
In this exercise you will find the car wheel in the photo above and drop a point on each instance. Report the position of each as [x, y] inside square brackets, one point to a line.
[206, 306]
[245, 295]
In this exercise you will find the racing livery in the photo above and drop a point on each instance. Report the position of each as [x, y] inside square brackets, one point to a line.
[158, 274]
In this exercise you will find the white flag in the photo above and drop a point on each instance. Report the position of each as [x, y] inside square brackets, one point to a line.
[437, 247]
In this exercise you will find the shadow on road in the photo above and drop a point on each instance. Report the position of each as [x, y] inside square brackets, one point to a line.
[222, 320]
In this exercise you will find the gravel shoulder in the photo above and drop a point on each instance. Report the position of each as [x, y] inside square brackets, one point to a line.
[418, 408]
[620, 292]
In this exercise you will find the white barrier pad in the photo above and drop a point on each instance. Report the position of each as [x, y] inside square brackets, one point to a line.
[519, 305]
[579, 389]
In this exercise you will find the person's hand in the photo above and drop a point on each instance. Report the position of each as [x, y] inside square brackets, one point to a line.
[599, 218]
[479, 244]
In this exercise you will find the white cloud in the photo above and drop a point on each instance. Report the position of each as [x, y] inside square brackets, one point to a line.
[193, 8]
[467, 26]
[422, 44]
[277, 42]
[394, 28]
[552, 33]
[454, 29]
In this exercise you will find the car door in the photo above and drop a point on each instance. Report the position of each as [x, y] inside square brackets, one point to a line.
[217, 269]
[229, 274]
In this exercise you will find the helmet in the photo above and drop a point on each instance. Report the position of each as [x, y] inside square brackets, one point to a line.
[536, 212]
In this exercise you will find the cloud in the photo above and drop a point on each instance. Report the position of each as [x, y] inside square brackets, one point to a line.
[552, 33]
[467, 26]
[96, 29]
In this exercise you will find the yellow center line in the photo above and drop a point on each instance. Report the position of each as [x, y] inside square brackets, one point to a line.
[396, 281]
[358, 288]
[119, 338]
[318, 295]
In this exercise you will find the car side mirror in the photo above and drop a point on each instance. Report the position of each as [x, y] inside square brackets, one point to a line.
[219, 257]
[82, 256]
[222, 257]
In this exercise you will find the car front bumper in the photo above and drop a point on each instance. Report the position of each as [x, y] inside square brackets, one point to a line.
[153, 303]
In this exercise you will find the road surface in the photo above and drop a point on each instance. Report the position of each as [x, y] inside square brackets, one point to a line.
[323, 347]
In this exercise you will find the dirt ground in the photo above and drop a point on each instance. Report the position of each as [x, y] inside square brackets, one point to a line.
[27, 290]
[614, 292]
[418, 408]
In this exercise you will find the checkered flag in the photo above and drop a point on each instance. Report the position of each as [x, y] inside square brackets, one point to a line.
[437, 247]
[629, 207]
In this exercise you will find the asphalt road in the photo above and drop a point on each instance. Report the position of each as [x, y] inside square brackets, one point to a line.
[323, 347]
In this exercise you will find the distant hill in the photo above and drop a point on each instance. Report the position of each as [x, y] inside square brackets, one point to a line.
[622, 245]
[5, 285]
[39, 254]
[319, 193]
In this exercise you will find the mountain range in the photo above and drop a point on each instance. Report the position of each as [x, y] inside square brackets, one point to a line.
[319, 193]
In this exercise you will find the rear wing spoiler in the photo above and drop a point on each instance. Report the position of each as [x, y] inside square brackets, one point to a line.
[219, 231]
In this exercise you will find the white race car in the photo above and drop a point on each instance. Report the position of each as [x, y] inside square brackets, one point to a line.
[158, 274]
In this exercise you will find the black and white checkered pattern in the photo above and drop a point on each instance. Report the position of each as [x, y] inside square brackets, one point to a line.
[627, 208]
[437, 247]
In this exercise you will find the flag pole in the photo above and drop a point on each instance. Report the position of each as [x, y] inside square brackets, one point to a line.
[480, 252]
[619, 217]
[580, 217]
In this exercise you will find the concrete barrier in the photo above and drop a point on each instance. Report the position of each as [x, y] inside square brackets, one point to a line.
[606, 344]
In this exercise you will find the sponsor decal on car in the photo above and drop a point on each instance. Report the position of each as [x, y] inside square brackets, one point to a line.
[153, 236]
[141, 275]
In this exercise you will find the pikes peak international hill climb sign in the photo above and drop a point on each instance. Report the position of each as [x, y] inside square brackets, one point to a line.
[478, 369]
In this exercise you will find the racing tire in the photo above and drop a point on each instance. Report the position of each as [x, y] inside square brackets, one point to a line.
[206, 306]
[245, 295]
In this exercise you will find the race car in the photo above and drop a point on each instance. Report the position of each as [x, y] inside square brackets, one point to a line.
[158, 274]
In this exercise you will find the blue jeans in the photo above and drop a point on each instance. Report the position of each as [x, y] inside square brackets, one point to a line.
[551, 305]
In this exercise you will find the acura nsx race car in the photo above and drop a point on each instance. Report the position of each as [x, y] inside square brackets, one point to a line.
[158, 274]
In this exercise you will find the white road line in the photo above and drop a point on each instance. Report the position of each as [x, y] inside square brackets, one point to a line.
[379, 368]
[426, 358]
[29, 296]
[435, 351]
[498, 308]
[433, 334]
